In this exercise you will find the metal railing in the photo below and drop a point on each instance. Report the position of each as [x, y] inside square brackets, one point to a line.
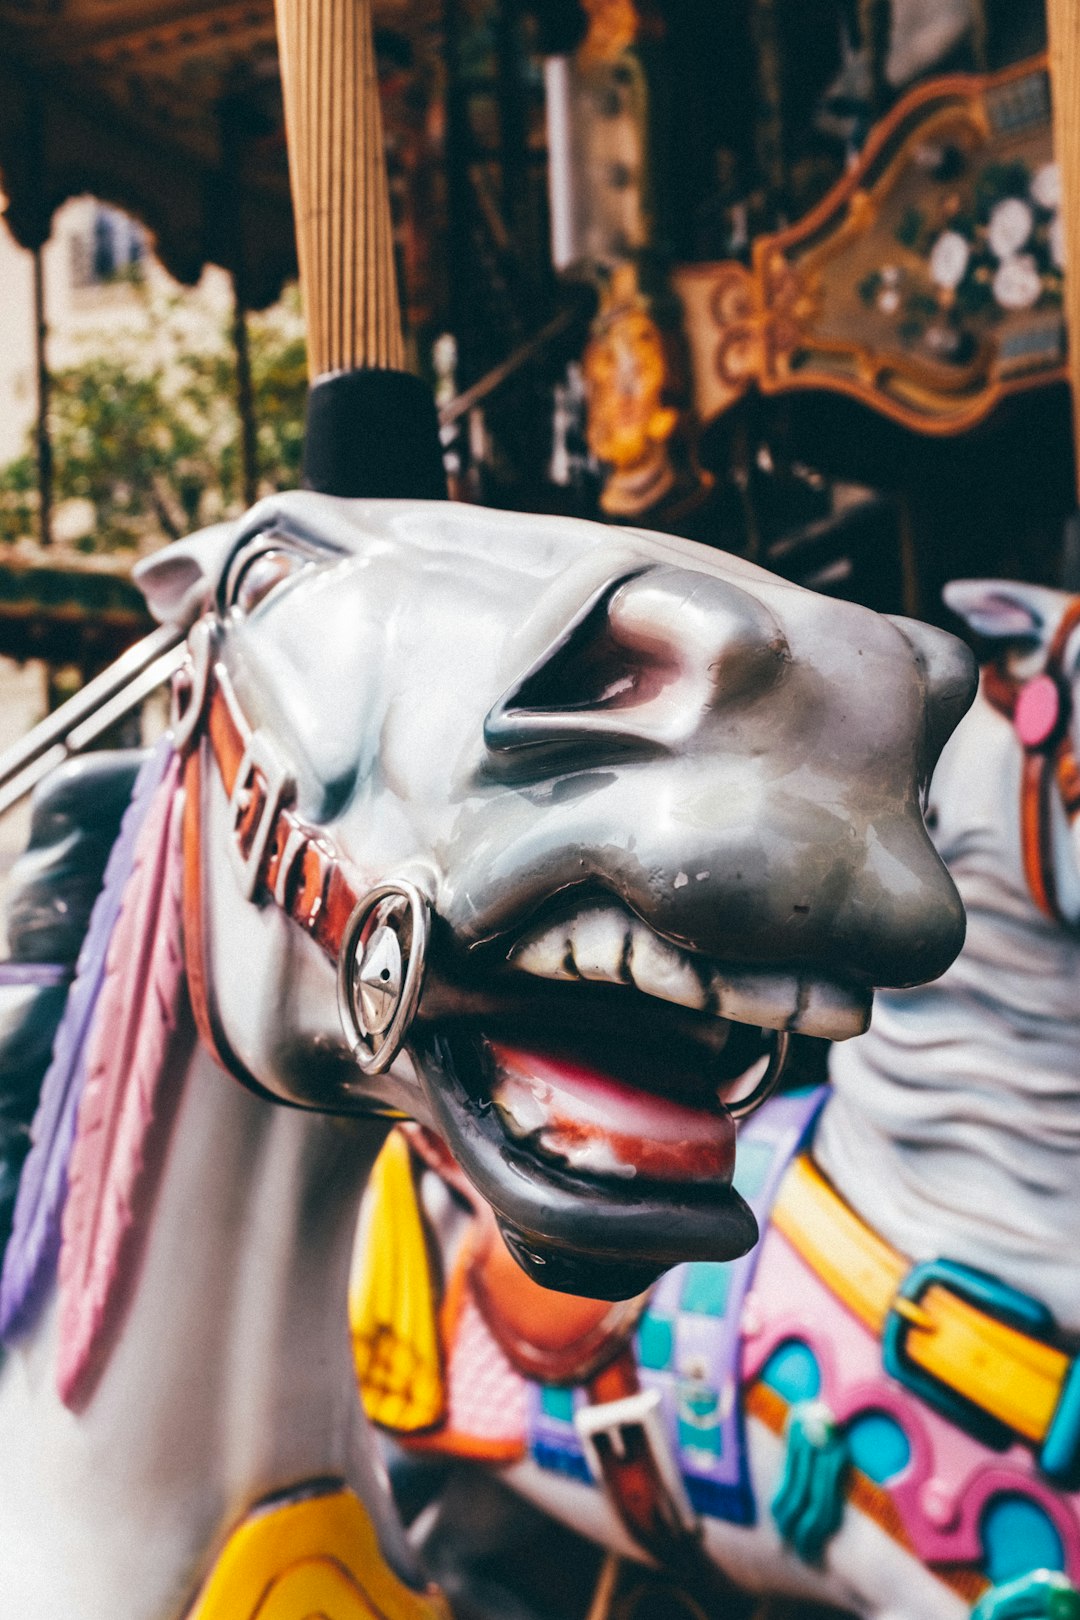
[88, 715]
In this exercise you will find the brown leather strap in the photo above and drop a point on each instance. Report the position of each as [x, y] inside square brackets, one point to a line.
[1070, 619]
[299, 870]
[1000, 689]
[1053, 762]
[194, 943]
[629, 1469]
[1036, 834]
[636, 1488]
[295, 866]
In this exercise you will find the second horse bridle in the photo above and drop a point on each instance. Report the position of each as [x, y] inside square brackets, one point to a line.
[1041, 711]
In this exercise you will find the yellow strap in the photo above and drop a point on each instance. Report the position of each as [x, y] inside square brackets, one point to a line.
[1010, 1375]
[859, 1267]
[318, 1556]
[392, 1307]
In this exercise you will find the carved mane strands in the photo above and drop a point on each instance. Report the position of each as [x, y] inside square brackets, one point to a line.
[130, 1098]
[340, 193]
[30, 1255]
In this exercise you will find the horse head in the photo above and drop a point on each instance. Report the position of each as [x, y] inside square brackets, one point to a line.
[1031, 680]
[627, 806]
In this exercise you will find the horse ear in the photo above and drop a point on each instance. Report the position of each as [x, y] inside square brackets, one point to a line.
[1001, 609]
[179, 580]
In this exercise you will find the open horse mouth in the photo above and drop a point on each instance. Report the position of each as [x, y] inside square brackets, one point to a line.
[585, 1081]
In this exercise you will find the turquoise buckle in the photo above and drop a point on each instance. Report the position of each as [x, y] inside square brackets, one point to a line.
[1045, 1594]
[1059, 1458]
[997, 1299]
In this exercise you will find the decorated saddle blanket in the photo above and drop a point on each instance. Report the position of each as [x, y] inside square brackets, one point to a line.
[514, 1373]
[955, 1417]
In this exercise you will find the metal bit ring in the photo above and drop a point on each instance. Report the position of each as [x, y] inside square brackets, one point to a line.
[381, 972]
[769, 1081]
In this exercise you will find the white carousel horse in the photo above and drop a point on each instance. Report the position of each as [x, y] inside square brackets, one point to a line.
[910, 1401]
[422, 739]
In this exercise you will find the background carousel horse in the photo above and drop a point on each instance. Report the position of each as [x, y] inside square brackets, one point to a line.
[429, 761]
[904, 1337]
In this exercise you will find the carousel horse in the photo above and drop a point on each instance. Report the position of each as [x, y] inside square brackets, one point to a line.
[460, 812]
[879, 1409]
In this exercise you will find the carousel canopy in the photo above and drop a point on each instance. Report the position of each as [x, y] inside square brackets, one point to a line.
[170, 109]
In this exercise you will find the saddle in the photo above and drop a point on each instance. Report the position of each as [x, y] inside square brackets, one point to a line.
[546, 1337]
[587, 1387]
[552, 1338]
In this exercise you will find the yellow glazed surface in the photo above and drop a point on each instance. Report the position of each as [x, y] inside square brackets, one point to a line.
[314, 1559]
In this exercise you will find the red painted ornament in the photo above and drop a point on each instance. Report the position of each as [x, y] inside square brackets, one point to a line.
[1038, 708]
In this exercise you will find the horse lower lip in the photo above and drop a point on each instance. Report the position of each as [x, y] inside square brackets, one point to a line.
[597, 1125]
[604, 1237]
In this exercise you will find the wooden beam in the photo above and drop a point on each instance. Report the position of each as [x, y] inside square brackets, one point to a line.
[76, 34]
[231, 30]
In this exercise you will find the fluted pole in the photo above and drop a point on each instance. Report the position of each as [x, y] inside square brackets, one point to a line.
[340, 195]
[371, 426]
[1063, 21]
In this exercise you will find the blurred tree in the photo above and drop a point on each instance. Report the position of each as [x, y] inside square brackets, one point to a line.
[146, 432]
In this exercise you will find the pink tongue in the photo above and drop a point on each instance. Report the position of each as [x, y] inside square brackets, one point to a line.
[596, 1124]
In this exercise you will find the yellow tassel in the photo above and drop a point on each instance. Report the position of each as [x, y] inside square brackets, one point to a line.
[392, 1311]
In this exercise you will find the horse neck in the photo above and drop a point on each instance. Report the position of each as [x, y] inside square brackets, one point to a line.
[953, 1124]
[232, 1376]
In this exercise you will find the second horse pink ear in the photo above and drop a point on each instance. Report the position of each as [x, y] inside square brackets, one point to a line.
[1003, 610]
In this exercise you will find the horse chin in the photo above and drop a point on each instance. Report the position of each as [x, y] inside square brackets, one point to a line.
[603, 1148]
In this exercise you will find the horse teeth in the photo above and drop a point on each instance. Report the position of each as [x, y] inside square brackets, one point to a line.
[770, 1000]
[607, 945]
[828, 1010]
[598, 941]
[546, 955]
[661, 970]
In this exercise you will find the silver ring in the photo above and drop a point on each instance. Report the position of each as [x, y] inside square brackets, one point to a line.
[401, 908]
[769, 1081]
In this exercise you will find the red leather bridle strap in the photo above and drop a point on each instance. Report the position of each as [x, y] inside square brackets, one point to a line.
[282, 857]
[275, 854]
[1043, 766]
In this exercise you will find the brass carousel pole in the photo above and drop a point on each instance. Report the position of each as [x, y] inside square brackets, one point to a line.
[1063, 22]
[371, 425]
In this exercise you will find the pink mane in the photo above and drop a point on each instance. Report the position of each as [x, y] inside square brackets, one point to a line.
[136, 1051]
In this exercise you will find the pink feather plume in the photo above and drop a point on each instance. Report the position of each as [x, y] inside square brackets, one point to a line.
[134, 1074]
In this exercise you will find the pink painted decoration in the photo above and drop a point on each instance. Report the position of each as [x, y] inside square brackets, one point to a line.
[142, 1032]
[1038, 706]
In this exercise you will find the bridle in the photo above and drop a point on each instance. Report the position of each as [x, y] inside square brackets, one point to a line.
[1040, 710]
[377, 938]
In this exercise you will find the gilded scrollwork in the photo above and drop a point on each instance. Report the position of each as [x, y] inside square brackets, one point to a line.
[927, 284]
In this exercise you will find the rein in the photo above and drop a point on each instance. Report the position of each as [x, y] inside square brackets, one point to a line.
[1040, 710]
[376, 937]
